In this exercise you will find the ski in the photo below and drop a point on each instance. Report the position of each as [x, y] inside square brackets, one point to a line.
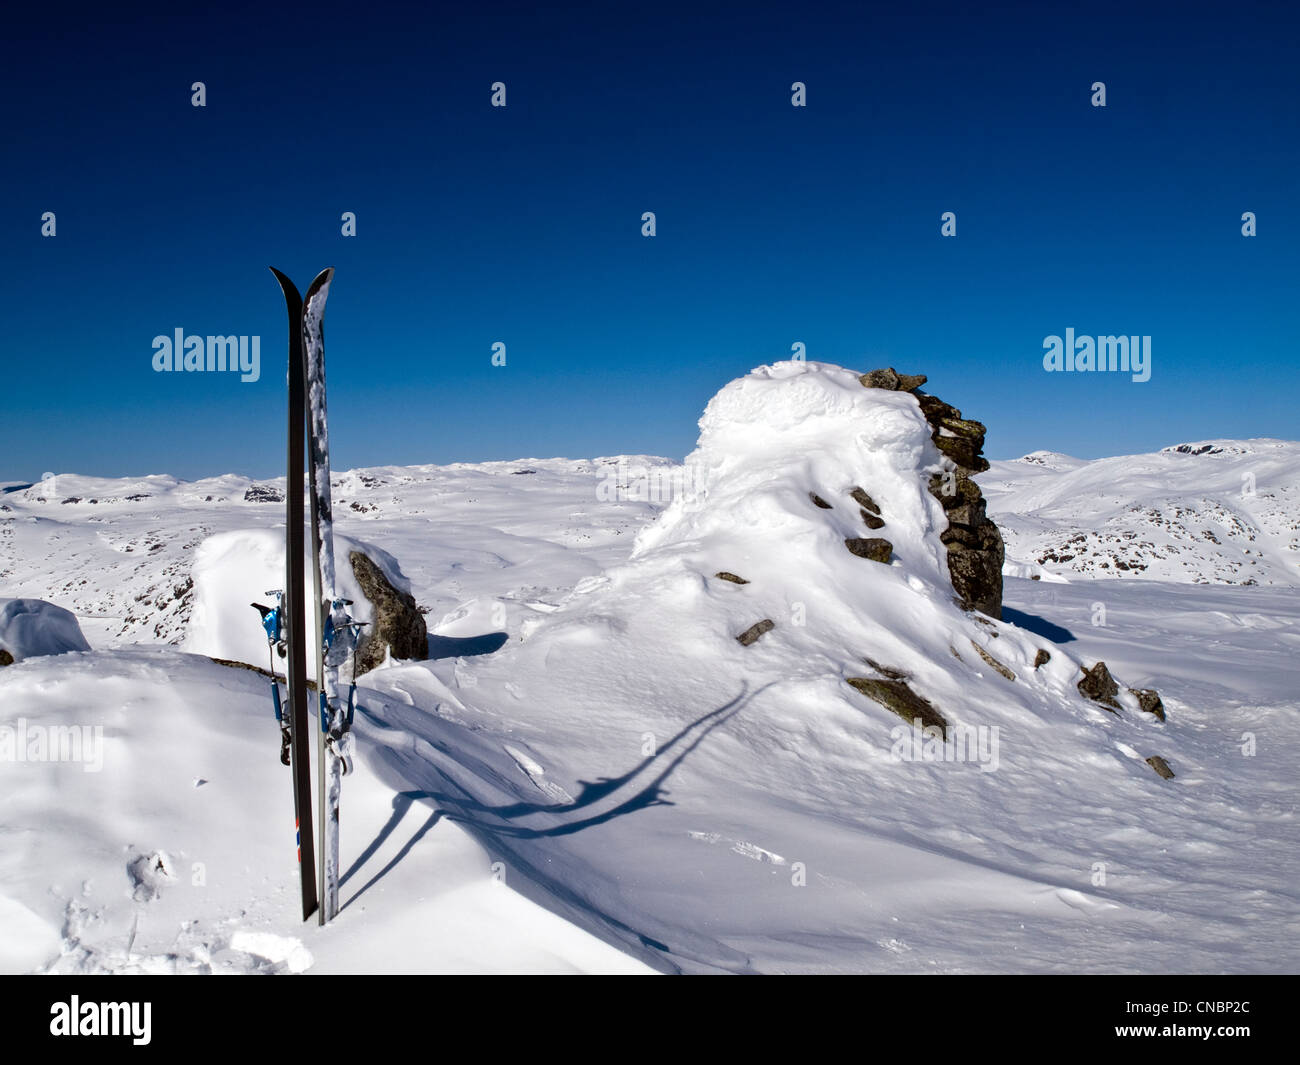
[290, 619]
[337, 632]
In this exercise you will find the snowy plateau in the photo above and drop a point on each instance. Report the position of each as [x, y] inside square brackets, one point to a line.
[592, 773]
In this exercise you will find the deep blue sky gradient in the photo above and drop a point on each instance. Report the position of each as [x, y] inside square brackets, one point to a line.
[522, 224]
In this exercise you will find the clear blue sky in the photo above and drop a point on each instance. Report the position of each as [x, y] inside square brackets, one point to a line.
[522, 225]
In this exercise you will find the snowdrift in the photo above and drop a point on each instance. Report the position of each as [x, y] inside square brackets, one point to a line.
[32, 627]
[235, 569]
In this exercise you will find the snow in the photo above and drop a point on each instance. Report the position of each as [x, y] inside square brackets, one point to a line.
[1216, 511]
[235, 569]
[32, 627]
[190, 774]
[621, 786]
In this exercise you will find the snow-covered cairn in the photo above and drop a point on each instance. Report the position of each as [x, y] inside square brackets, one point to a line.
[813, 561]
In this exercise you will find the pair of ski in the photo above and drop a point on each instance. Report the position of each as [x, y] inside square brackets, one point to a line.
[285, 623]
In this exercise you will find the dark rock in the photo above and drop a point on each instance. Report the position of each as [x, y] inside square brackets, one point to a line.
[1149, 701]
[819, 501]
[871, 521]
[1041, 659]
[969, 514]
[896, 696]
[977, 578]
[6, 659]
[965, 453]
[960, 535]
[1099, 686]
[396, 624]
[993, 662]
[262, 493]
[723, 575]
[876, 548]
[964, 490]
[888, 671]
[751, 634]
[1160, 766]
[967, 428]
[934, 408]
[892, 380]
[864, 501]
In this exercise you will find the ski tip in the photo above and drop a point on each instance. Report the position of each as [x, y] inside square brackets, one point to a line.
[286, 286]
[320, 282]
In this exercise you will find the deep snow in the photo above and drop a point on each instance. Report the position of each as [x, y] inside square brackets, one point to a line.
[626, 764]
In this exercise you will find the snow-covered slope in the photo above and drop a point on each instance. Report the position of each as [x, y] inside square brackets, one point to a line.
[156, 835]
[1218, 511]
[715, 806]
[635, 776]
[120, 552]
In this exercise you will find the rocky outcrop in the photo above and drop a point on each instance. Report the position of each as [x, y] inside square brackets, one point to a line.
[6, 659]
[1098, 685]
[396, 624]
[263, 493]
[723, 575]
[974, 543]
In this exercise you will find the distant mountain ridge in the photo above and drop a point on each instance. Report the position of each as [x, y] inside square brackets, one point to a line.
[1204, 512]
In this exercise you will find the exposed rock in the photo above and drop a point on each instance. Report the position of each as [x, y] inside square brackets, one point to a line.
[819, 501]
[723, 575]
[876, 548]
[864, 501]
[966, 428]
[396, 624]
[6, 659]
[751, 634]
[892, 380]
[1149, 701]
[990, 660]
[977, 578]
[966, 453]
[871, 521]
[1160, 766]
[974, 543]
[1041, 659]
[896, 696]
[970, 515]
[888, 671]
[935, 409]
[1099, 686]
[955, 490]
[261, 493]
